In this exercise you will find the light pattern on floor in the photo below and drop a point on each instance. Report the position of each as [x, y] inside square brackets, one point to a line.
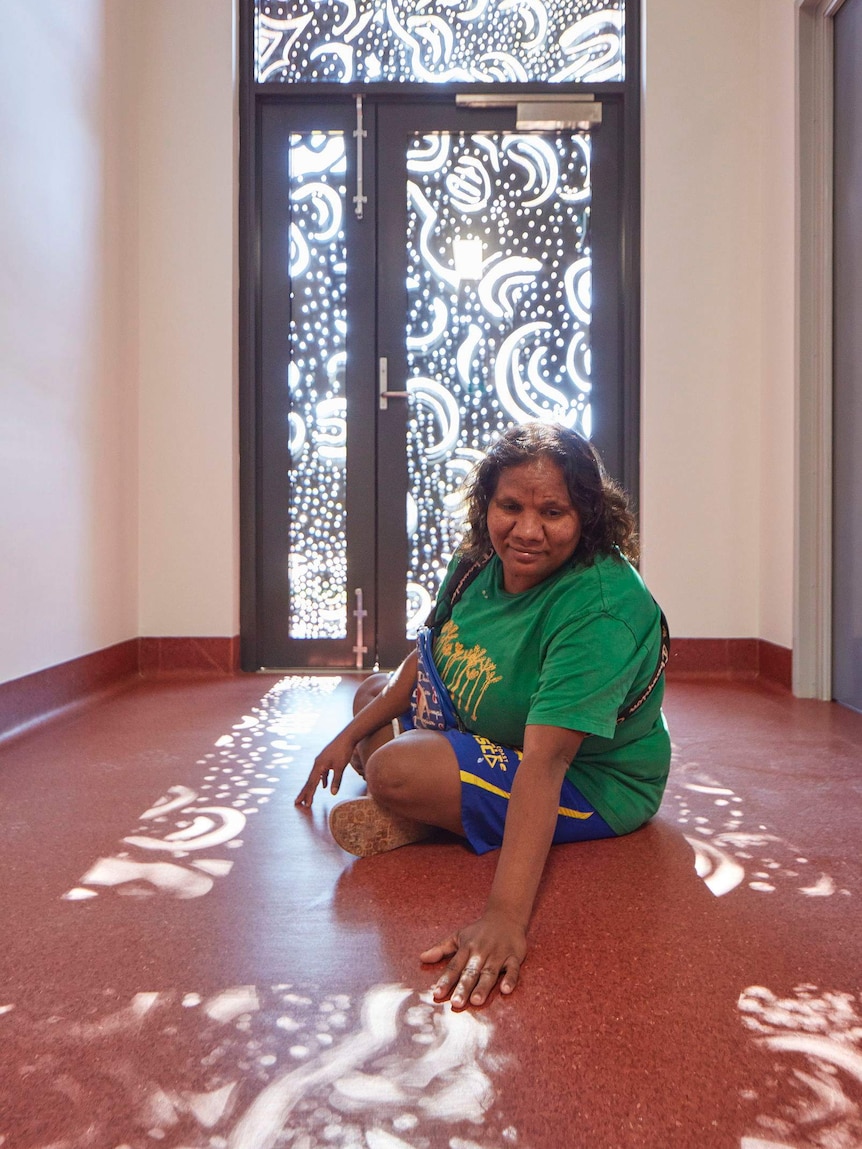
[729, 853]
[170, 851]
[252, 1068]
[813, 1095]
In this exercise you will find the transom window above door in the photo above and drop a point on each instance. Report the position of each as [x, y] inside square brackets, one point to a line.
[440, 41]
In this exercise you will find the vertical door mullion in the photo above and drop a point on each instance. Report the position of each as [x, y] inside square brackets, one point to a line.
[360, 386]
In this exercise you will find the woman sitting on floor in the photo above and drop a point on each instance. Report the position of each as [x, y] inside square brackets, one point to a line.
[530, 713]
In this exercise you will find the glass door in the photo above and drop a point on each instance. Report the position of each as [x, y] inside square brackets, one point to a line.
[316, 308]
[486, 258]
[455, 274]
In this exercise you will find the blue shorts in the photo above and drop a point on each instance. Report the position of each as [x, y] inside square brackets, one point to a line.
[487, 772]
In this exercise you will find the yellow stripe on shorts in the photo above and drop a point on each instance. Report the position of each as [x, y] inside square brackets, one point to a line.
[475, 780]
[567, 813]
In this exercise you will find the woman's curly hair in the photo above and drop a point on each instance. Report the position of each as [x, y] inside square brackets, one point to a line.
[607, 522]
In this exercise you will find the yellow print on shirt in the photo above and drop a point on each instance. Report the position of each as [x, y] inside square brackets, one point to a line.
[466, 673]
[494, 754]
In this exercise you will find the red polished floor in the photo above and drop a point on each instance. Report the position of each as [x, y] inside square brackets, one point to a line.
[188, 961]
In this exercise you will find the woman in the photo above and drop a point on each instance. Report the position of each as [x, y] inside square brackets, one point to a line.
[551, 651]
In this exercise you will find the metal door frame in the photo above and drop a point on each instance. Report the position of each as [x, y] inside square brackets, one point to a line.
[252, 97]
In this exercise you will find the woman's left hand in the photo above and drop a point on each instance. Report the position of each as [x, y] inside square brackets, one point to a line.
[333, 758]
[490, 950]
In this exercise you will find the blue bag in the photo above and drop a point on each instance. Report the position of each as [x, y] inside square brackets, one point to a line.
[432, 707]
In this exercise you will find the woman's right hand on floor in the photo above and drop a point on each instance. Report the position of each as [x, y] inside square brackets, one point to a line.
[333, 759]
[490, 950]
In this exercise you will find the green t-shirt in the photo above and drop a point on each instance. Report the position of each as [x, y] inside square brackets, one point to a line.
[570, 652]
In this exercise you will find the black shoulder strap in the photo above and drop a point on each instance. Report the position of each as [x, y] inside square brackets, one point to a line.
[663, 656]
[460, 578]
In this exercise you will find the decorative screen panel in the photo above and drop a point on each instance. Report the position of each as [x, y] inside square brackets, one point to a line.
[500, 302]
[440, 41]
[317, 564]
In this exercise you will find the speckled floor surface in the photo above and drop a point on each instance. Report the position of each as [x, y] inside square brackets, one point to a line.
[188, 961]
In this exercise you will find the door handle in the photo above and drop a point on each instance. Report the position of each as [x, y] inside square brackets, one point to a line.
[383, 394]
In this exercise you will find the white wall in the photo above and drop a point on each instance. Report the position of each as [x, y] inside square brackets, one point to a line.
[68, 557]
[189, 523]
[779, 195]
[118, 491]
[718, 316]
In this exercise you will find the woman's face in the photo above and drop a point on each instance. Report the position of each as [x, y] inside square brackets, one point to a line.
[532, 524]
